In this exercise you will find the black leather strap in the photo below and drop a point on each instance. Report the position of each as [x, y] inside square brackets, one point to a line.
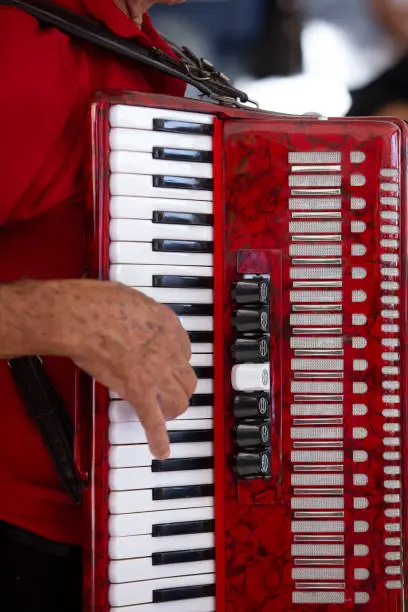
[188, 68]
[46, 409]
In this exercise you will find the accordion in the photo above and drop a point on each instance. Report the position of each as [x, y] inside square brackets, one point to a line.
[280, 242]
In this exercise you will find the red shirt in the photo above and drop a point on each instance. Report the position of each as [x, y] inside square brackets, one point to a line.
[46, 81]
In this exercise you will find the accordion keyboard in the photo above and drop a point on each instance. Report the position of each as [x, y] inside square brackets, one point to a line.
[161, 545]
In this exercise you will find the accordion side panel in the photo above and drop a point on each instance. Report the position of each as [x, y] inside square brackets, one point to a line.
[98, 513]
[96, 498]
[326, 531]
[219, 364]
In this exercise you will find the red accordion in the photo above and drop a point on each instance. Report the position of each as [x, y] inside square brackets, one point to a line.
[281, 243]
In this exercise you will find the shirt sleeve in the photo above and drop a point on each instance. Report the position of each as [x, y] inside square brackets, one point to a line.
[40, 80]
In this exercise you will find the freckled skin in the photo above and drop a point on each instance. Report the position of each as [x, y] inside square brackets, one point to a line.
[125, 340]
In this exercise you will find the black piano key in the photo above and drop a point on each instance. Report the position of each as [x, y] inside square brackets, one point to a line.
[181, 593]
[185, 528]
[183, 182]
[180, 465]
[194, 310]
[182, 246]
[165, 493]
[181, 218]
[182, 127]
[183, 556]
[201, 337]
[189, 155]
[202, 399]
[182, 282]
[182, 436]
[204, 371]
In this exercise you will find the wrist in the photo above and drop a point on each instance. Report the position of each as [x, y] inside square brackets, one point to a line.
[32, 318]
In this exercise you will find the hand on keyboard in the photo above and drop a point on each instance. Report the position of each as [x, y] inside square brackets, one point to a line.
[134, 346]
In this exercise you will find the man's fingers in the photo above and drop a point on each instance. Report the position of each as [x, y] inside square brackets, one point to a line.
[173, 402]
[182, 344]
[186, 378]
[154, 424]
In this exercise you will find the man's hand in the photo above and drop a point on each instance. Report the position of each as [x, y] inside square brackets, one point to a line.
[122, 338]
[135, 9]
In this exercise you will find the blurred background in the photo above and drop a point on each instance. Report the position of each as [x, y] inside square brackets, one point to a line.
[296, 56]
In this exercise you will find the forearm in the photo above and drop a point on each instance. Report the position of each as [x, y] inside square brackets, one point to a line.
[31, 318]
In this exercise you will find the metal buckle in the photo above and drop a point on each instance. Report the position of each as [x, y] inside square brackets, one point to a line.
[234, 102]
[197, 73]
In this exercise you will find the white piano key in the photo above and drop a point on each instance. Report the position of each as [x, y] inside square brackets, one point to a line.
[121, 207]
[178, 296]
[200, 604]
[123, 412]
[202, 360]
[121, 525]
[133, 432]
[127, 502]
[142, 117]
[202, 347]
[133, 479]
[142, 592]
[139, 455]
[142, 253]
[143, 275]
[140, 230]
[197, 323]
[132, 547]
[142, 185]
[143, 163]
[204, 386]
[197, 412]
[124, 139]
[138, 569]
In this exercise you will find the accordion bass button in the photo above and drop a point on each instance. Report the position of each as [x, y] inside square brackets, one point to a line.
[251, 406]
[251, 350]
[251, 292]
[251, 320]
[249, 377]
[252, 435]
[252, 465]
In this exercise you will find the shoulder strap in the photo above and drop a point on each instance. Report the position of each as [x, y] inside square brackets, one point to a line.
[188, 68]
[46, 409]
